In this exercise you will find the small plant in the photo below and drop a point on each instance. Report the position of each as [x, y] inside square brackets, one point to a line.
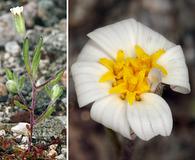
[15, 83]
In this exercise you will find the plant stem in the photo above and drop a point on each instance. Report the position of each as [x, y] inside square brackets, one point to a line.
[42, 85]
[32, 118]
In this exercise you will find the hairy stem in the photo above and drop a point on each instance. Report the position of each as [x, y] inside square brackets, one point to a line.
[32, 117]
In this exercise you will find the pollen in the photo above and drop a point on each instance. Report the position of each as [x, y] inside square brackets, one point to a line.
[128, 75]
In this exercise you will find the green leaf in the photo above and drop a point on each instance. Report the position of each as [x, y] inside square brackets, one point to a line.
[21, 83]
[26, 55]
[46, 114]
[57, 79]
[9, 74]
[20, 105]
[15, 77]
[48, 90]
[56, 92]
[37, 57]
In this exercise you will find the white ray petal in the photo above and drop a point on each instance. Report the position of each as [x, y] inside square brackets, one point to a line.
[111, 112]
[91, 52]
[150, 40]
[120, 35]
[86, 76]
[174, 62]
[150, 117]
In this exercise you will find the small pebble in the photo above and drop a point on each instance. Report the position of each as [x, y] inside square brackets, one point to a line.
[40, 81]
[13, 48]
[25, 139]
[6, 56]
[2, 132]
[52, 153]
[3, 90]
[63, 150]
[23, 146]
[11, 60]
[53, 146]
[60, 157]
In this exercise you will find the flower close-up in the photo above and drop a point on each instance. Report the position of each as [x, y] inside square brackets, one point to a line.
[17, 10]
[18, 17]
[122, 69]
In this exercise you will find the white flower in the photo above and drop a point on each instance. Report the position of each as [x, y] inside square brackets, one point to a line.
[17, 10]
[18, 17]
[120, 70]
[21, 128]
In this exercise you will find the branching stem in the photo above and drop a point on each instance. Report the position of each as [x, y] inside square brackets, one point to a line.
[32, 116]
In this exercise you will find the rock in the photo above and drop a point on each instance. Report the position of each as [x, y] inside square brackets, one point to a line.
[52, 153]
[2, 132]
[157, 5]
[62, 119]
[7, 30]
[62, 25]
[64, 79]
[55, 42]
[40, 81]
[25, 140]
[6, 56]
[13, 48]
[3, 90]
[30, 12]
[53, 146]
[20, 129]
[23, 146]
[34, 35]
[51, 127]
[50, 11]
[43, 63]
[60, 157]
[63, 151]
[3, 93]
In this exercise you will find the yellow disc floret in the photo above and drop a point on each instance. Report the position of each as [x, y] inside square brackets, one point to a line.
[129, 74]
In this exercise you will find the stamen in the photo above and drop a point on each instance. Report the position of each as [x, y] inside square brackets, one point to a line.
[131, 77]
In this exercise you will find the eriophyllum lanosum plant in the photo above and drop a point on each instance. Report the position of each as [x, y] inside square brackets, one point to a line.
[16, 83]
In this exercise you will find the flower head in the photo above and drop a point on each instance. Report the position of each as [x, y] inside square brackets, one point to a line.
[17, 10]
[121, 68]
[17, 13]
[12, 86]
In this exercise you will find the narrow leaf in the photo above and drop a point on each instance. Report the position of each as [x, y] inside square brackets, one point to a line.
[37, 57]
[9, 74]
[48, 90]
[26, 55]
[15, 77]
[57, 79]
[46, 114]
[20, 105]
[21, 83]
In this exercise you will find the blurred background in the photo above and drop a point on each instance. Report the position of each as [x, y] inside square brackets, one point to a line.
[45, 18]
[175, 19]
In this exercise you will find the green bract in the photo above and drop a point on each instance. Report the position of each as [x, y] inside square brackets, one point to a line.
[56, 92]
[12, 86]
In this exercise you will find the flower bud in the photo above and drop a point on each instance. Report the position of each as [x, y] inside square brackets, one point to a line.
[11, 86]
[17, 13]
[56, 92]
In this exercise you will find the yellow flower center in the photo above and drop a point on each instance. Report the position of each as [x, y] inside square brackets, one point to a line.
[129, 74]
